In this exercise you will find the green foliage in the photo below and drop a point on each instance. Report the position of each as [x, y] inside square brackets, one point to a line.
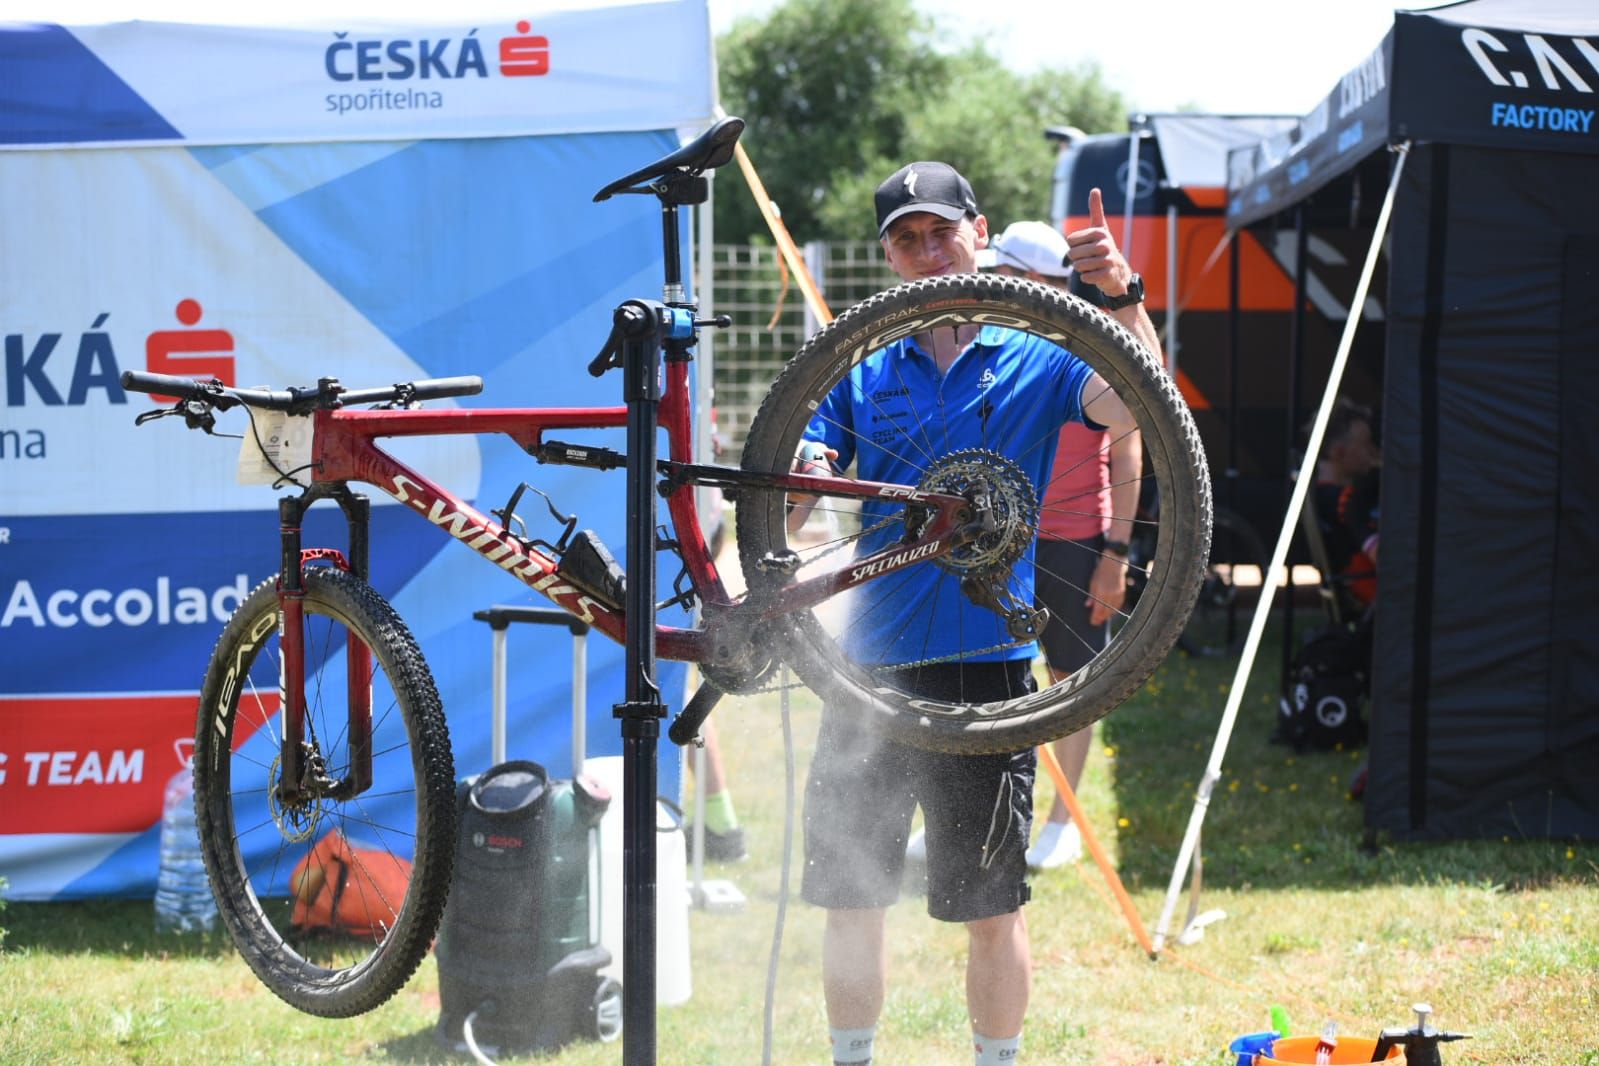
[840, 93]
[826, 86]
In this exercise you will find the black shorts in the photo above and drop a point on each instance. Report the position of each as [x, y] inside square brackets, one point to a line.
[1064, 569]
[863, 789]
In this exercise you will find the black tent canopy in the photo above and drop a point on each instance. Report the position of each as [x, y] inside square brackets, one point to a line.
[1485, 691]
[1506, 75]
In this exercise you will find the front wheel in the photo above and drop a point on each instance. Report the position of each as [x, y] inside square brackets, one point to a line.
[988, 426]
[333, 899]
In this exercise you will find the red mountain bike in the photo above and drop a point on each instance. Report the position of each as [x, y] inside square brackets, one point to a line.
[318, 713]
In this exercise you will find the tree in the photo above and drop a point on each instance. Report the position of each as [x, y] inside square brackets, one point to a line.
[840, 93]
[826, 85]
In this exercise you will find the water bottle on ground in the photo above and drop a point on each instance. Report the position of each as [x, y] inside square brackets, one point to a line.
[183, 900]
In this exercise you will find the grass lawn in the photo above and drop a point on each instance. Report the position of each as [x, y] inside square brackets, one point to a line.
[1501, 937]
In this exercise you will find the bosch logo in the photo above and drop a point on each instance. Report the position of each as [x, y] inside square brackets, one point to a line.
[495, 842]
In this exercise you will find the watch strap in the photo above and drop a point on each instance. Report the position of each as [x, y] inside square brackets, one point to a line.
[1133, 295]
[1116, 547]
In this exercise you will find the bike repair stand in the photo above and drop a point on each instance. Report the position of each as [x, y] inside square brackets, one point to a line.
[640, 328]
[642, 331]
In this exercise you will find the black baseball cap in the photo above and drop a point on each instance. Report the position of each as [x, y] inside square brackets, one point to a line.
[936, 188]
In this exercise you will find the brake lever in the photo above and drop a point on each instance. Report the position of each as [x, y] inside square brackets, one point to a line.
[196, 415]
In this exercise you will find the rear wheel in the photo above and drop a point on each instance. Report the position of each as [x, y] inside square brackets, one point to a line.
[995, 573]
[332, 901]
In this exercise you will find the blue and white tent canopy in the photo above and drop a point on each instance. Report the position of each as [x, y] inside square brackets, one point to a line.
[378, 202]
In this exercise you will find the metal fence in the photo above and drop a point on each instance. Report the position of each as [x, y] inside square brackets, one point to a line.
[770, 319]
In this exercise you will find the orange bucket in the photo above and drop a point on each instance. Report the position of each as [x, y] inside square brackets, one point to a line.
[1299, 1050]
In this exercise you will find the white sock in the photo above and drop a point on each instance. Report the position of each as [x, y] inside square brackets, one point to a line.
[852, 1045]
[992, 1052]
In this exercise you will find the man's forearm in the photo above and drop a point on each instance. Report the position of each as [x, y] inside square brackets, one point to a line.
[1137, 320]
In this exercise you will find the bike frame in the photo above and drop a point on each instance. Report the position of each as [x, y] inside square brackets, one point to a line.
[345, 449]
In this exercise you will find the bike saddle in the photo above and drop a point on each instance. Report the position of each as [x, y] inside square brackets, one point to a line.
[709, 150]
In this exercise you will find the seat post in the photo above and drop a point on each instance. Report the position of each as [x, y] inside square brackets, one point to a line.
[672, 293]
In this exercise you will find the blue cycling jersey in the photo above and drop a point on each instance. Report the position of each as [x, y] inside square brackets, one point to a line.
[892, 415]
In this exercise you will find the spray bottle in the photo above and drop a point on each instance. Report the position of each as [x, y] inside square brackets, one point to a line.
[1420, 1043]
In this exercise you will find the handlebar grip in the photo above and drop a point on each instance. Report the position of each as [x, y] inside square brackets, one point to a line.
[685, 727]
[165, 384]
[435, 388]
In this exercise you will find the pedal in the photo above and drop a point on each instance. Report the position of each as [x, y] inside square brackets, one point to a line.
[588, 564]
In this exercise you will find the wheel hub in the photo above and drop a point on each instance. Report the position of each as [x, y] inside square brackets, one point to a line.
[295, 821]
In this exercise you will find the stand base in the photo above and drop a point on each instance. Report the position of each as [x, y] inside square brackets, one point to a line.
[717, 897]
[1194, 932]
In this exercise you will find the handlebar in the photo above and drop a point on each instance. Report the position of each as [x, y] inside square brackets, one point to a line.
[325, 393]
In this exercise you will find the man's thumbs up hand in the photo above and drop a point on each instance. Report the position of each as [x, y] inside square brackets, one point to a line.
[1093, 252]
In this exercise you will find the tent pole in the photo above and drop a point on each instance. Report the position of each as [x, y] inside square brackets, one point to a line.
[1257, 627]
[1131, 192]
[1296, 364]
[1171, 290]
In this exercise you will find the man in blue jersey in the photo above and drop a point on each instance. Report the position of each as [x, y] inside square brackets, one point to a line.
[892, 417]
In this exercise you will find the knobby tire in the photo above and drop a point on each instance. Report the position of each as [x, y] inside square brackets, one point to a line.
[250, 849]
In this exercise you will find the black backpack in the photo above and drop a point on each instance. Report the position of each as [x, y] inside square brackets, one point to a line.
[1325, 691]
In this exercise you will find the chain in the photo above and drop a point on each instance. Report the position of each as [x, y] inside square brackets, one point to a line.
[954, 658]
[896, 667]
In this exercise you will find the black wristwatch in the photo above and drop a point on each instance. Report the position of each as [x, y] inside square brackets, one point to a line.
[1117, 547]
[1133, 295]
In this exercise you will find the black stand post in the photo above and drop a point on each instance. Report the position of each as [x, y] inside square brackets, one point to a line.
[638, 324]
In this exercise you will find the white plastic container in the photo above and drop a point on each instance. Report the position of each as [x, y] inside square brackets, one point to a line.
[673, 973]
[183, 900]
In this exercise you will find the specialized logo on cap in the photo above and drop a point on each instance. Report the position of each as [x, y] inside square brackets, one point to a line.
[910, 181]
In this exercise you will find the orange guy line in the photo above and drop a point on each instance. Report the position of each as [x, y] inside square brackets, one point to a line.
[785, 243]
[1095, 849]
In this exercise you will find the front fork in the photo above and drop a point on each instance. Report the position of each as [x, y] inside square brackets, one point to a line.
[303, 775]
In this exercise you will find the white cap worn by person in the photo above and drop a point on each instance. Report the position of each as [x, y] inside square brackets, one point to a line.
[1035, 246]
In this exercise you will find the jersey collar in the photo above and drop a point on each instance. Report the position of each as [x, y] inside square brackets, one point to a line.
[989, 337]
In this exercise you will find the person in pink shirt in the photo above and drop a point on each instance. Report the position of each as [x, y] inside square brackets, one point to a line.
[1088, 509]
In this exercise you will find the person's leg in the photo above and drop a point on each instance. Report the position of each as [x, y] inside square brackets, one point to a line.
[858, 804]
[724, 838]
[854, 966]
[1071, 751]
[999, 975]
[1065, 569]
[978, 811]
